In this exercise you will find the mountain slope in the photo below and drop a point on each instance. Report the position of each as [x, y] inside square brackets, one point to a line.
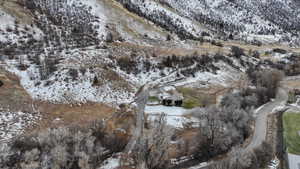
[97, 50]
[276, 19]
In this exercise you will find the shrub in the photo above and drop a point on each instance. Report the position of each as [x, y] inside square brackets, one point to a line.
[264, 154]
[96, 82]
[266, 82]
[152, 150]
[216, 43]
[219, 56]
[9, 29]
[168, 37]
[291, 97]
[168, 61]
[22, 67]
[240, 159]
[8, 51]
[278, 50]
[205, 34]
[269, 79]
[153, 99]
[82, 70]
[128, 64]
[256, 43]
[64, 147]
[190, 103]
[73, 73]
[256, 54]
[237, 51]
[76, 29]
[194, 98]
[109, 38]
[220, 129]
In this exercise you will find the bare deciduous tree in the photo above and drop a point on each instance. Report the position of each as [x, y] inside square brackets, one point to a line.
[220, 129]
[240, 159]
[151, 150]
[212, 125]
[64, 147]
[269, 79]
[158, 144]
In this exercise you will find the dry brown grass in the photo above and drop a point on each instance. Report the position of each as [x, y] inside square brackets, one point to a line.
[13, 8]
[169, 48]
[67, 115]
[292, 84]
[118, 83]
[121, 16]
[121, 120]
[14, 97]
[164, 49]
[187, 137]
[248, 47]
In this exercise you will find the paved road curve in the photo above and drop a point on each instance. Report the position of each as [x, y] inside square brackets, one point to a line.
[260, 130]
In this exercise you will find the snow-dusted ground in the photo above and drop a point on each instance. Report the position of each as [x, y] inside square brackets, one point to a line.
[274, 163]
[5, 22]
[169, 110]
[61, 87]
[201, 165]
[68, 91]
[224, 77]
[14, 123]
[111, 163]
[294, 161]
[174, 115]
[81, 90]
[203, 79]
[97, 10]
[154, 8]
[255, 113]
[8, 22]
[250, 18]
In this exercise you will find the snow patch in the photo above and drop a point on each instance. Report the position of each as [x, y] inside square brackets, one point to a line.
[111, 163]
[174, 115]
[59, 88]
[13, 123]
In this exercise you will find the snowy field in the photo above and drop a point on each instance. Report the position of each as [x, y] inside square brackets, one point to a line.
[13, 123]
[294, 161]
[111, 163]
[174, 115]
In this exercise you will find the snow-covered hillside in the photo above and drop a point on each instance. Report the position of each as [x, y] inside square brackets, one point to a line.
[96, 50]
[14, 123]
[247, 20]
[95, 75]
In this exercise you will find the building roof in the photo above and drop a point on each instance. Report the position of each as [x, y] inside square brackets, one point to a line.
[171, 96]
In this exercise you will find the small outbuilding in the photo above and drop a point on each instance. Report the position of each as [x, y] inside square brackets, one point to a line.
[172, 98]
